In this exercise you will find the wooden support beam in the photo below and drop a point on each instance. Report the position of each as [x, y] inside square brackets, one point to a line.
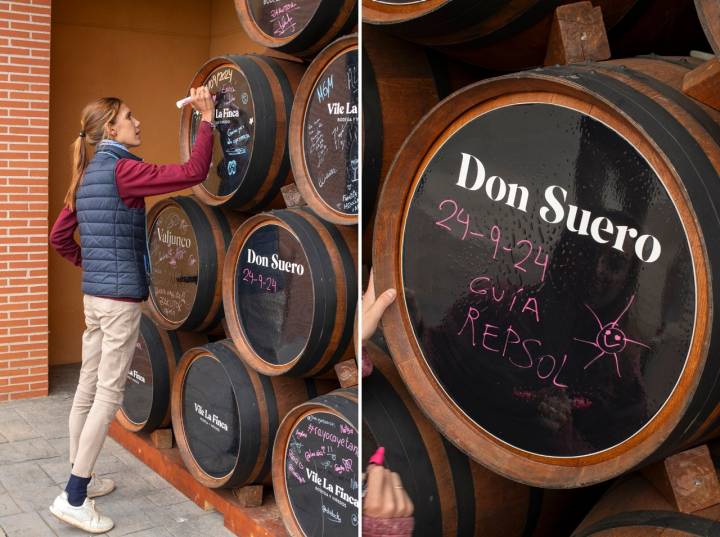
[687, 480]
[292, 196]
[577, 35]
[162, 438]
[249, 495]
[347, 373]
[703, 83]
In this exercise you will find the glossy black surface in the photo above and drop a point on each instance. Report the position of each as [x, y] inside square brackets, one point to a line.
[235, 130]
[330, 137]
[562, 356]
[138, 399]
[282, 18]
[275, 306]
[322, 476]
[210, 417]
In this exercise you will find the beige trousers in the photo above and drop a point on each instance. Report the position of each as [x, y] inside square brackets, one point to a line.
[108, 345]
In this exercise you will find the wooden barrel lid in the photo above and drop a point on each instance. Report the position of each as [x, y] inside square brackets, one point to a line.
[138, 400]
[324, 133]
[552, 279]
[281, 21]
[174, 258]
[274, 293]
[210, 415]
[315, 461]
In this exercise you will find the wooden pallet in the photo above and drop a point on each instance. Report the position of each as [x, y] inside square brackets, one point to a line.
[263, 521]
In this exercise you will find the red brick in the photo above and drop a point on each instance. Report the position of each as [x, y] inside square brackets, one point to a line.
[16, 16]
[26, 8]
[30, 61]
[28, 394]
[27, 379]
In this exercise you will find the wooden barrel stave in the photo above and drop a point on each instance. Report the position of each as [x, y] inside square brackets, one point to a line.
[270, 85]
[212, 229]
[260, 403]
[709, 14]
[330, 253]
[325, 21]
[341, 53]
[342, 406]
[593, 84]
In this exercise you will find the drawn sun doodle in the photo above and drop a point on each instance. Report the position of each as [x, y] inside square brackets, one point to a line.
[610, 339]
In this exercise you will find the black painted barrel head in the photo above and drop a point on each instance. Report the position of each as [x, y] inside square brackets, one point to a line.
[549, 279]
[210, 416]
[282, 19]
[274, 294]
[174, 262]
[234, 135]
[330, 134]
[321, 475]
[138, 401]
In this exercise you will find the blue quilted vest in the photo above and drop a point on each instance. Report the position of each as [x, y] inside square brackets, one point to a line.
[112, 236]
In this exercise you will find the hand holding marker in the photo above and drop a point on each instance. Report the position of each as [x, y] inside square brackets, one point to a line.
[187, 100]
[385, 495]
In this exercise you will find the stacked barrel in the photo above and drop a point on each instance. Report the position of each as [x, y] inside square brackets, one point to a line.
[550, 234]
[252, 302]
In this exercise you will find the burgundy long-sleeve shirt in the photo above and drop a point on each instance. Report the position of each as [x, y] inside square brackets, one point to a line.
[135, 180]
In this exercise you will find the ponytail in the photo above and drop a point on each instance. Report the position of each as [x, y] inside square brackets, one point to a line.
[95, 117]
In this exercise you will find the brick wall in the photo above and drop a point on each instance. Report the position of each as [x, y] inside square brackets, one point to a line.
[24, 117]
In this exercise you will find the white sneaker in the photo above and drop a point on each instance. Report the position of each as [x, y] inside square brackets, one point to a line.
[99, 486]
[84, 517]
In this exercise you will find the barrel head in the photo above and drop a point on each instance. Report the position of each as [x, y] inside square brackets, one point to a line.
[330, 134]
[321, 475]
[274, 290]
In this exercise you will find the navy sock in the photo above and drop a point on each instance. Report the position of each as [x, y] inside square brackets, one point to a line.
[77, 490]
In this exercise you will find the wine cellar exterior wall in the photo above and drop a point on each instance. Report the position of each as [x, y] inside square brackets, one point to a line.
[24, 119]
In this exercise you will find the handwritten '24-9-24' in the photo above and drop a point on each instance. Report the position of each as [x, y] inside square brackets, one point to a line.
[455, 222]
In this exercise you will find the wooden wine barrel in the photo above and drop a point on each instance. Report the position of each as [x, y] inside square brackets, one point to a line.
[633, 507]
[146, 404]
[290, 290]
[323, 137]
[315, 466]
[709, 14]
[187, 241]
[551, 238]
[401, 83]
[301, 28]
[506, 35]
[452, 495]
[253, 100]
[225, 415]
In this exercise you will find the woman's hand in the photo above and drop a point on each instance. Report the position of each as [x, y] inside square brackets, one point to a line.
[386, 496]
[203, 102]
[374, 308]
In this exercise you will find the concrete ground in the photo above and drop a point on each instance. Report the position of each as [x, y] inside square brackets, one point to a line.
[34, 469]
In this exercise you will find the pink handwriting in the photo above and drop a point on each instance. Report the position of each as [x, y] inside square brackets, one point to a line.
[546, 366]
[338, 441]
[524, 248]
[481, 284]
[346, 429]
[284, 24]
[312, 454]
[300, 434]
[267, 283]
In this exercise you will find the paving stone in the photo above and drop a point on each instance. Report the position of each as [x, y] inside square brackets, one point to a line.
[51, 428]
[128, 514]
[176, 513]
[130, 483]
[26, 450]
[25, 525]
[167, 496]
[57, 469]
[211, 524]
[35, 498]
[152, 532]
[109, 464]
[8, 505]
[60, 445]
[17, 429]
[24, 475]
